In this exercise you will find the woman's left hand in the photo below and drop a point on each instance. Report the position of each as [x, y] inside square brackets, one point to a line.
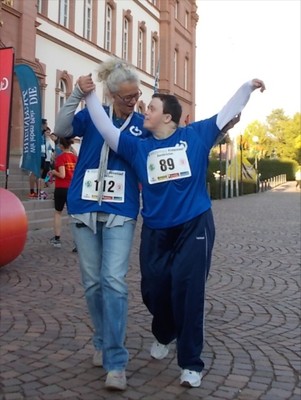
[86, 84]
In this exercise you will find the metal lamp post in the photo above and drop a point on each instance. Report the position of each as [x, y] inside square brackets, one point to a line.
[256, 140]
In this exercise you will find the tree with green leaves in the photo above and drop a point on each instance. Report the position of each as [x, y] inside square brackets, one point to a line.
[278, 138]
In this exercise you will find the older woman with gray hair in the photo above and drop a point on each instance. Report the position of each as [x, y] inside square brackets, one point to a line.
[103, 201]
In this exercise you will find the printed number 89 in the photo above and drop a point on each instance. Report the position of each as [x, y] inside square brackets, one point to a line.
[166, 164]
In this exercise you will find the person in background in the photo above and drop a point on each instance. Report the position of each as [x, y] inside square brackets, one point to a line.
[46, 163]
[298, 177]
[63, 173]
[178, 228]
[103, 201]
[34, 181]
[76, 145]
[57, 150]
[49, 151]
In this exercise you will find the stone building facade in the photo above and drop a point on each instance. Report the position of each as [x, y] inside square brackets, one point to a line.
[63, 39]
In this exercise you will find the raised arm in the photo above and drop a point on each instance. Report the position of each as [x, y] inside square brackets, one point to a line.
[237, 103]
[63, 124]
[102, 122]
[97, 113]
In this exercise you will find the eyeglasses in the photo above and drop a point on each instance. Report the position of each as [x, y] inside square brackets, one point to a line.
[129, 98]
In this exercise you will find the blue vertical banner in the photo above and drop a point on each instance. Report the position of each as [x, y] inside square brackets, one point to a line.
[32, 117]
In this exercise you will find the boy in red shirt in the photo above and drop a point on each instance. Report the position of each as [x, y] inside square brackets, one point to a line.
[63, 173]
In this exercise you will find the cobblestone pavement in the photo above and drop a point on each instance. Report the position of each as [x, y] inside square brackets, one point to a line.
[252, 349]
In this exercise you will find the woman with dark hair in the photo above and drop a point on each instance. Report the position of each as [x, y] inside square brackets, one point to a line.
[63, 172]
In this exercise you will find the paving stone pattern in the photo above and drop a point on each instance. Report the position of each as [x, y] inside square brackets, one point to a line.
[252, 349]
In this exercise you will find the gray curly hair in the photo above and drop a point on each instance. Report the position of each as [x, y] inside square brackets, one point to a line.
[114, 72]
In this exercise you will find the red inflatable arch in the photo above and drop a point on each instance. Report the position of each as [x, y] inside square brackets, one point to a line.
[13, 227]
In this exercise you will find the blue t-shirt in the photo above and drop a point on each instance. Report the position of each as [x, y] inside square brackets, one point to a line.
[89, 157]
[170, 203]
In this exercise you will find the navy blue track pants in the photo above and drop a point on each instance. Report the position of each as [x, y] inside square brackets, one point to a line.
[174, 264]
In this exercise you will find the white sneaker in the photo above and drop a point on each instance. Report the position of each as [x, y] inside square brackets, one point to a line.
[116, 380]
[190, 378]
[97, 358]
[55, 242]
[159, 351]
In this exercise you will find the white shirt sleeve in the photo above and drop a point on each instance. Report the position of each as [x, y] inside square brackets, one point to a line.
[102, 122]
[235, 105]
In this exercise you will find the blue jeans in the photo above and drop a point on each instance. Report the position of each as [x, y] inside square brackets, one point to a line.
[104, 260]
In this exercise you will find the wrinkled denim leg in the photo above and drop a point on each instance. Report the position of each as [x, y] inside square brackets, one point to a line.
[117, 243]
[105, 287]
[89, 247]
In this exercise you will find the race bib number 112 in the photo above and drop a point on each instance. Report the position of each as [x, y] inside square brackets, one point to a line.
[113, 186]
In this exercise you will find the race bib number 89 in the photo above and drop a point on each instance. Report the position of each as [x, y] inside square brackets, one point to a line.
[167, 164]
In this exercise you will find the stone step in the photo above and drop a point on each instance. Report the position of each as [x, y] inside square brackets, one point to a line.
[41, 223]
[32, 205]
[40, 214]
[19, 185]
[22, 193]
[18, 179]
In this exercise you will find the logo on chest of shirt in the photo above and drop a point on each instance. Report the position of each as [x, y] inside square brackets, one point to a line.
[182, 144]
[135, 130]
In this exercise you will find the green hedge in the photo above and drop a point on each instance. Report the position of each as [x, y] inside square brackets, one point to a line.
[267, 169]
[270, 168]
[217, 189]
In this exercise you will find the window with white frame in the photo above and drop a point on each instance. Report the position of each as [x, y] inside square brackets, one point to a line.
[64, 12]
[62, 93]
[108, 31]
[87, 19]
[140, 48]
[177, 9]
[125, 39]
[39, 6]
[186, 19]
[186, 73]
[175, 62]
[153, 56]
